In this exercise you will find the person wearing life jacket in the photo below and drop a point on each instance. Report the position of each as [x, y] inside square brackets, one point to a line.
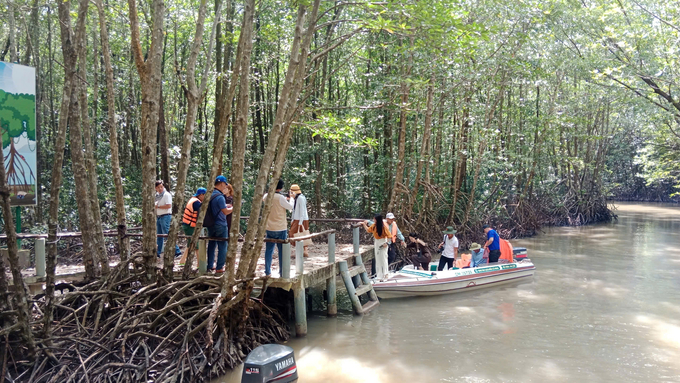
[190, 217]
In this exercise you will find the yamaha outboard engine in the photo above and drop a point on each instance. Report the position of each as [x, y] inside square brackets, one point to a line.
[270, 363]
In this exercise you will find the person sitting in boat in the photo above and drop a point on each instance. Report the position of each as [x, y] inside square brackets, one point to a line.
[477, 254]
[380, 235]
[450, 249]
[421, 260]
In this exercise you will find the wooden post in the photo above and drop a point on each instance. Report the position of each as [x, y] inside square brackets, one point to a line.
[331, 294]
[40, 257]
[355, 238]
[364, 278]
[300, 309]
[284, 267]
[356, 303]
[299, 258]
[202, 256]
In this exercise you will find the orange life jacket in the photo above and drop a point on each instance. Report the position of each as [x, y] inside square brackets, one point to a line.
[506, 251]
[394, 232]
[464, 260]
[190, 216]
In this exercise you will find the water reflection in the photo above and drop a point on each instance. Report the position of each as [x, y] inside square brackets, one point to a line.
[602, 307]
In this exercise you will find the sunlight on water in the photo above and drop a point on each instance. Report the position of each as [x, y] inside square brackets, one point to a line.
[603, 306]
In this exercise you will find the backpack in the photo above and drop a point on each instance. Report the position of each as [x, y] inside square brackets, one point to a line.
[209, 219]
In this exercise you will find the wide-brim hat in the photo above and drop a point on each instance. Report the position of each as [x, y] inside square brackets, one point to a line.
[389, 216]
[475, 246]
[295, 189]
[449, 230]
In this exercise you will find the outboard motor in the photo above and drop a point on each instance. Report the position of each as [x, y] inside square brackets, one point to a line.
[270, 363]
[519, 253]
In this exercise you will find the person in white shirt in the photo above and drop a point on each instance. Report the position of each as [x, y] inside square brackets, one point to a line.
[300, 220]
[276, 226]
[450, 249]
[163, 207]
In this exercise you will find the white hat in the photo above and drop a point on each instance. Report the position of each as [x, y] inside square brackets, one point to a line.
[389, 216]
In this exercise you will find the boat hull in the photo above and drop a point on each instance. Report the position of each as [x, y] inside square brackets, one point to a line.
[408, 283]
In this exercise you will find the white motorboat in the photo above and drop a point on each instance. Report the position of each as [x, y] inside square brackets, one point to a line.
[409, 282]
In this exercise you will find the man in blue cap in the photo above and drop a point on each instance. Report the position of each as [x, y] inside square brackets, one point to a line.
[190, 217]
[219, 210]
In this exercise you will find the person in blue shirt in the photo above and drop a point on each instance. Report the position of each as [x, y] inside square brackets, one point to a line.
[220, 210]
[493, 243]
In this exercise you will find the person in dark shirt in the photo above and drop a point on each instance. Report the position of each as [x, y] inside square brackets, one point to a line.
[493, 243]
[422, 258]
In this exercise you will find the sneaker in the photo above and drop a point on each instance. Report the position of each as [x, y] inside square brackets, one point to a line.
[220, 271]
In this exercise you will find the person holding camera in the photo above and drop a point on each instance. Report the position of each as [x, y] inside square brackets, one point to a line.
[276, 226]
[449, 249]
[380, 243]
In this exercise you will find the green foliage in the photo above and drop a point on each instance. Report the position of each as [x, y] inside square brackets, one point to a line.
[17, 115]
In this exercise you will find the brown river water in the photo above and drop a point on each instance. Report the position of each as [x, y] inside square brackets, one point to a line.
[603, 306]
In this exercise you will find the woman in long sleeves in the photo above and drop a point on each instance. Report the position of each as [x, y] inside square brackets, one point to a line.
[299, 222]
[380, 237]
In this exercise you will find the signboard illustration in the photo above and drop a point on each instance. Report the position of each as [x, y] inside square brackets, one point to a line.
[17, 123]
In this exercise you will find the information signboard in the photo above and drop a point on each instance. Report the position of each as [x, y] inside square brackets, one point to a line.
[17, 122]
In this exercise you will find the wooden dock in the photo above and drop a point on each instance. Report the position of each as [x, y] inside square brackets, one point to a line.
[327, 262]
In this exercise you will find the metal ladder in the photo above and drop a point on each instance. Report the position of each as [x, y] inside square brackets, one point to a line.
[357, 284]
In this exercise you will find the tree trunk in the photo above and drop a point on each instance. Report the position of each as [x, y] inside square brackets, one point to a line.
[123, 242]
[239, 140]
[401, 151]
[424, 152]
[69, 55]
[193, 99]
[163, 144]
[279, 140]
[92, 199]
[221, 133]
[149, 71]
[12, 33]
[77, 158]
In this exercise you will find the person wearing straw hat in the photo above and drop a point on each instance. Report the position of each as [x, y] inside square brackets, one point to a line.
[477, 254]
[300, 219]
[449, 248]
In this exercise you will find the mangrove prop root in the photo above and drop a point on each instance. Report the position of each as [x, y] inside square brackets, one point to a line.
[119, 329]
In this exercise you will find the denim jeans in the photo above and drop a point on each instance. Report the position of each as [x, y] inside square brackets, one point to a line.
[217, 231]
[163, 227]
[269, 249]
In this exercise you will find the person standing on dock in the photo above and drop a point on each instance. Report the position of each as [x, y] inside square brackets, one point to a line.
[493, 243]
[219, 210]
[381, 234]
[190, 217]
[163, 207]
[395, 234]
[300, 219]
[276, 226]
[450, 249]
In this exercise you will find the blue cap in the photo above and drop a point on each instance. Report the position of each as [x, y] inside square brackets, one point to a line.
[221, 178]
[200, 191]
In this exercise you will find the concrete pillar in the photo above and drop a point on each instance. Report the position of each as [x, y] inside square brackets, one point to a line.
[355, 239]
[332, 303]
[284, 267]
[300, 309]
[40, 257]
[299, 258]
